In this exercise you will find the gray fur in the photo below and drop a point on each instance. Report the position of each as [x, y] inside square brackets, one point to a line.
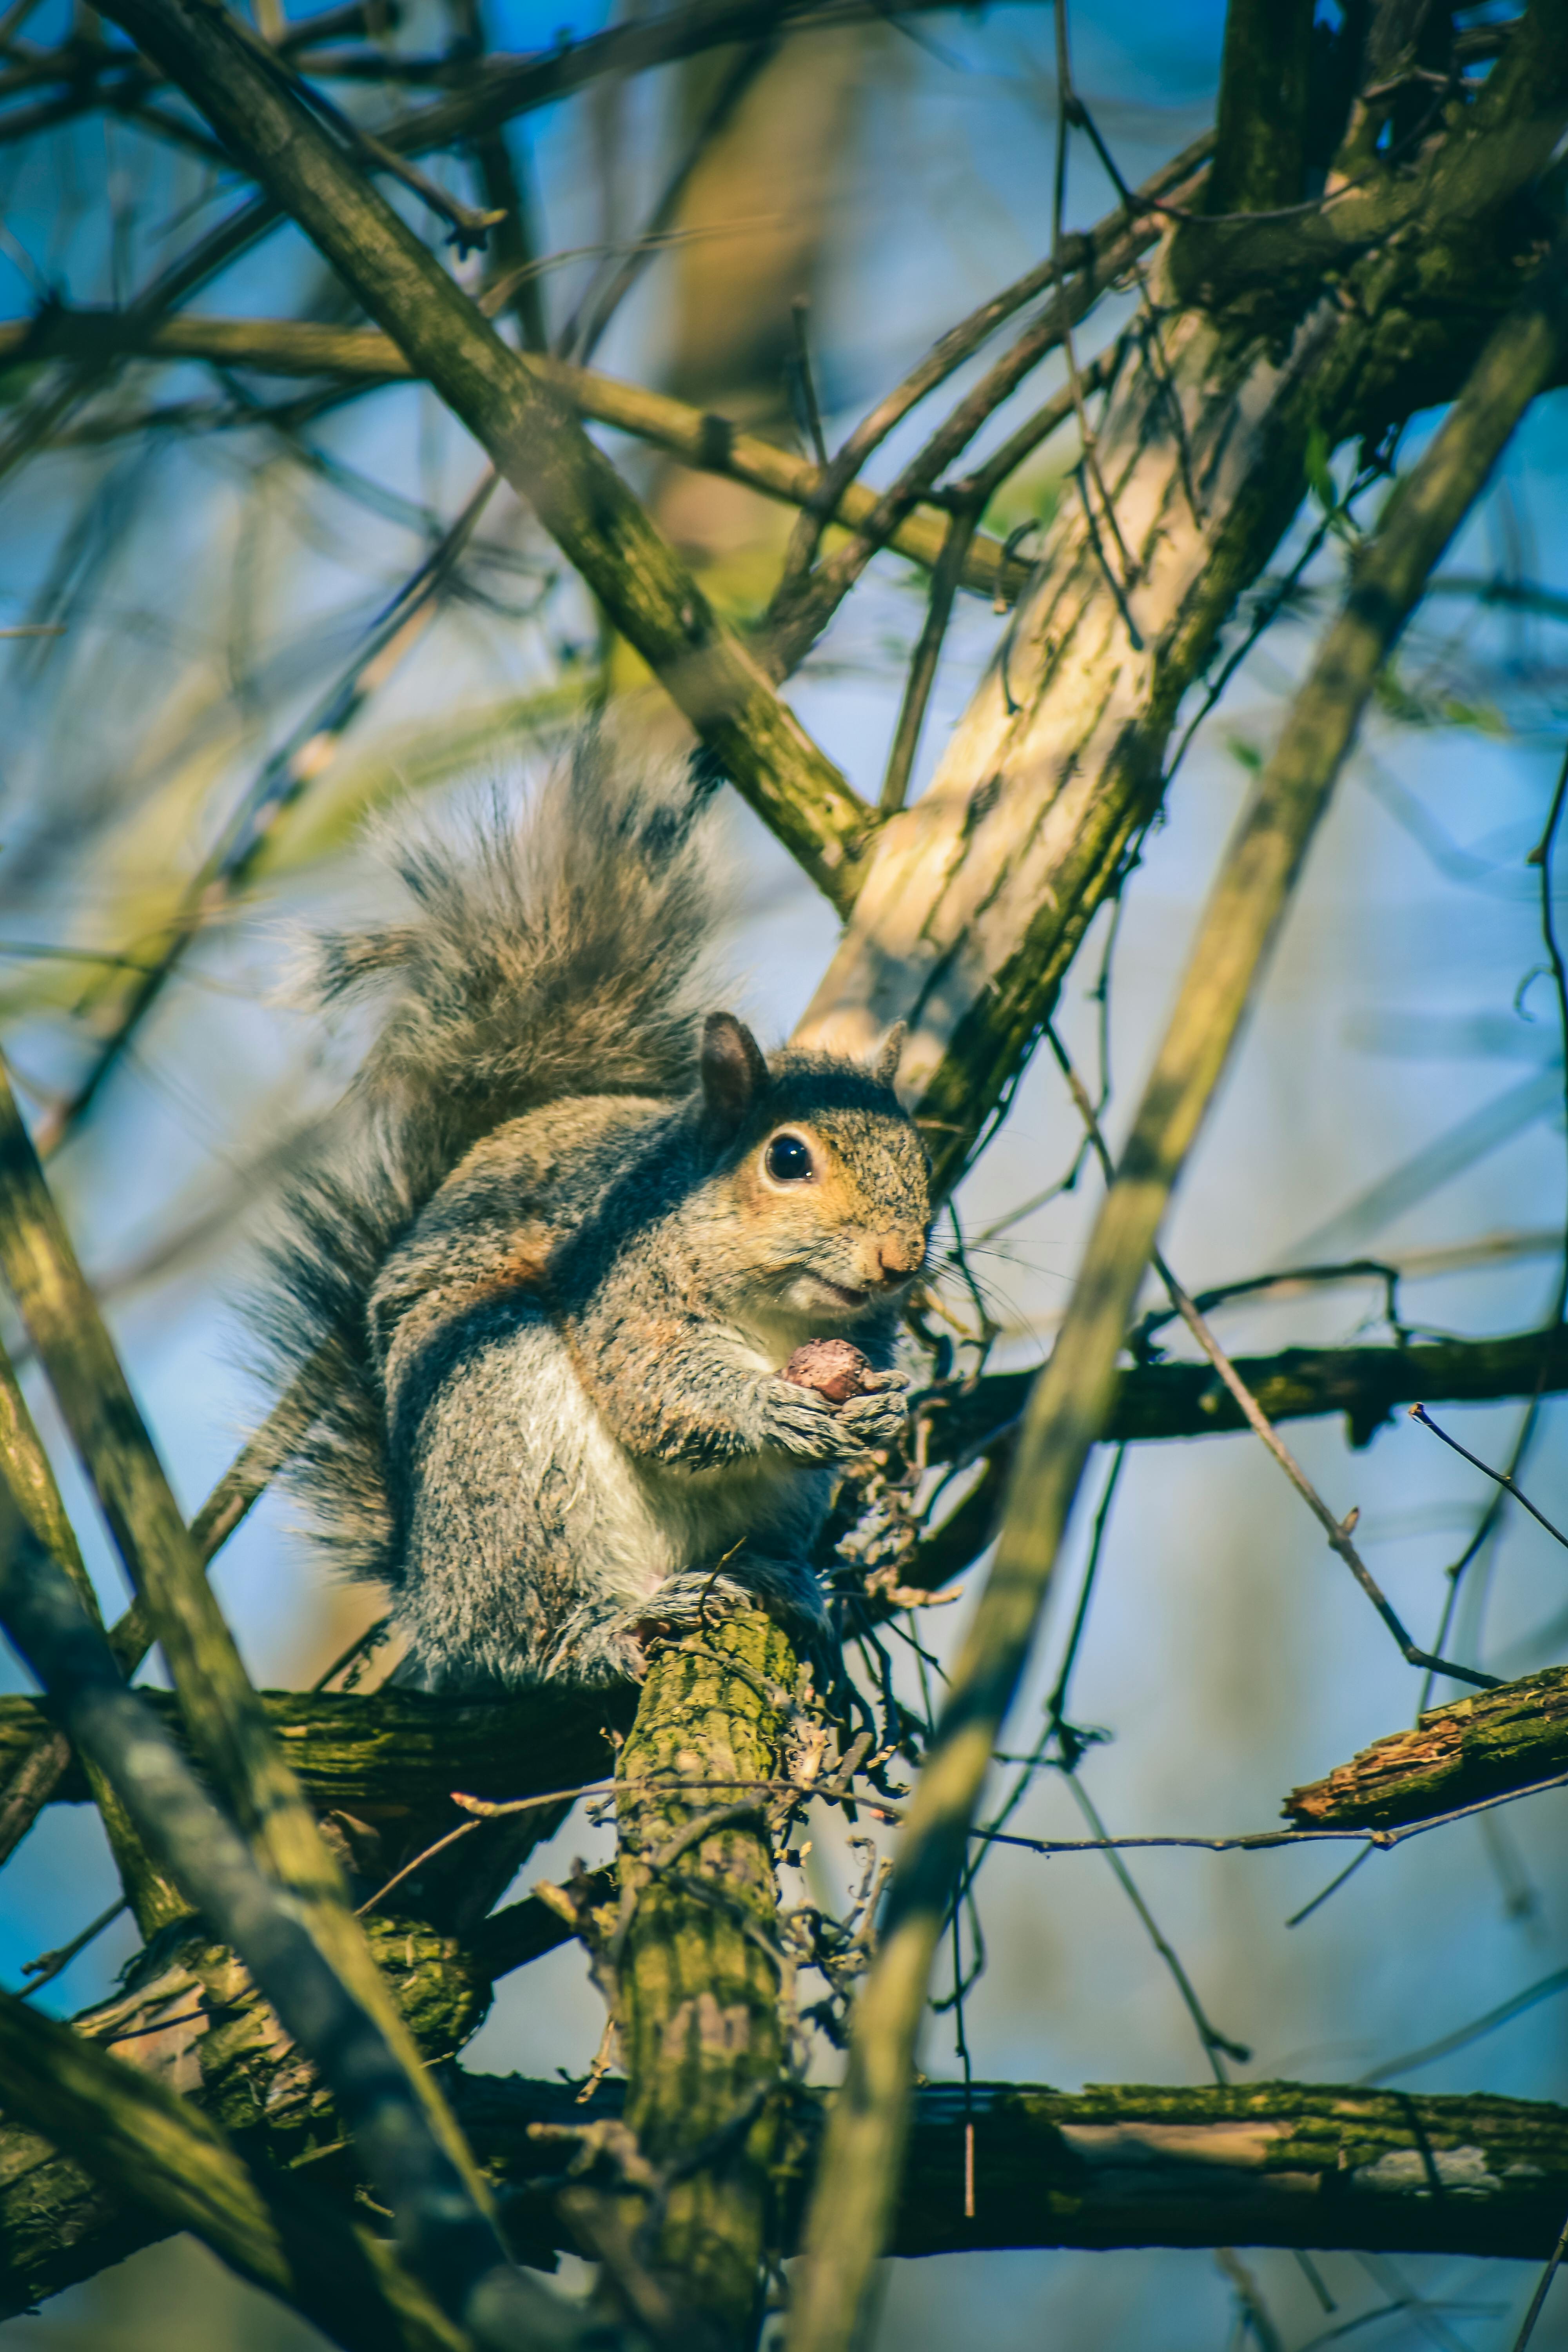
[542, 1296]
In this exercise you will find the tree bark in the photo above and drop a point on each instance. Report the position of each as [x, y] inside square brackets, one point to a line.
[693, 1958]
[1274, 2164]
[975, 901]
[1484, 1745]
[1163, 1401]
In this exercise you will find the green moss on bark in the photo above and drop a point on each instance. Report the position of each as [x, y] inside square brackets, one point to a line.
[697, 1986]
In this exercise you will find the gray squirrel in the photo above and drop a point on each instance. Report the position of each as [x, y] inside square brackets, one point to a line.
[533, 1306]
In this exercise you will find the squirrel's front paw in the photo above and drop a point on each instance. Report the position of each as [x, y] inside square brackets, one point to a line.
[809, 1426]
[800, 1422]
[877, 1422]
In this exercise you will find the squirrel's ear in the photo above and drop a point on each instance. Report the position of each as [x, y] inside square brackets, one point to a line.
[734, 1073]
[885, 1067]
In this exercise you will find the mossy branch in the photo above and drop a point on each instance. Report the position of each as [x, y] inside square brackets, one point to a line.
[120, 2161]
[389, 1755]
[1484, 1745]
[1273, 2164]
[694, 1963]
[413, 2154]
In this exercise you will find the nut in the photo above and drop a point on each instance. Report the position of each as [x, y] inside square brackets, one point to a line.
[833, 1368]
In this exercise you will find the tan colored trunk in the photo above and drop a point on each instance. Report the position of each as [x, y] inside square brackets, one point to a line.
[978, 895]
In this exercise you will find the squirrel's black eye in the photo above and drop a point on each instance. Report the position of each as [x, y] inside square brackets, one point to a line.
[788, 1159]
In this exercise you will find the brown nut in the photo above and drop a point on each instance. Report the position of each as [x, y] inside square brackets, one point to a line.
[834, 1368]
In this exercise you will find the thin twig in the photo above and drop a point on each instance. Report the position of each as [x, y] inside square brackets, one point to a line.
[1264, 1841]
[587, 328]
[1503, 1479]
[49, 1965]
[803, 379]
[697, 438]
[1070, 110]
[927, 653]
[281, 784]
[1538, 2300]
[1464, 2034]
[1217, 2046]
[1337, 1530]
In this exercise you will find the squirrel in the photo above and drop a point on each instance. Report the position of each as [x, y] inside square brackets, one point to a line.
[533, 1309]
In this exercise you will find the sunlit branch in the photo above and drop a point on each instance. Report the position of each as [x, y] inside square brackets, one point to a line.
[532, 436]
[1072, 1402]
[707, 443]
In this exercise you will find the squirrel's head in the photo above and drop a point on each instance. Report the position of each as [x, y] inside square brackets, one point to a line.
[822, 1177]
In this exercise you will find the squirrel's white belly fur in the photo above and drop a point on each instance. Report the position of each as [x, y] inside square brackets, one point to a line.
[516, 1549]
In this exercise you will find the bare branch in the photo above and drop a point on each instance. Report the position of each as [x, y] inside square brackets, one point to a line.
[707, 443]
[533, 439]
[1068, 1409]
[227, 1725]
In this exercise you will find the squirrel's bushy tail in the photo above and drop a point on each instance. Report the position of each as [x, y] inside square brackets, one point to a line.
[556, 954]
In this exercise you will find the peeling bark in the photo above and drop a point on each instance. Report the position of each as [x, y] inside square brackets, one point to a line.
[1481, 1746]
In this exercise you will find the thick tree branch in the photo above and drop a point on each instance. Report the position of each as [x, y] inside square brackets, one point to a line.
[386, 1755]
[1068, 1409]
[693, 1960]
[444, 2228]
[226, 1722]
[98, 2159]
[975, 899]
[522, 423]
[1276, 2164]
[1260, 147]
[1476, 1746]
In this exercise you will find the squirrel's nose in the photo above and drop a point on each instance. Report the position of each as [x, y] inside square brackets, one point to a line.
[897, 1257]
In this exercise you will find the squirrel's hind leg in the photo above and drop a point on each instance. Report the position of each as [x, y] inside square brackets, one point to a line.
[683, 1604]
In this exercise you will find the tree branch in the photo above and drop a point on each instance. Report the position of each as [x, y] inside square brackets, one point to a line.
[443, 2216]
[707, 443]
[135, 2162]
[381, 1754]
[1259, 151]
[1480, 1746]
[227, 1725]
[35, 1774]
[522, 422]
[1068, 1409]
[975, 899]
[1164, 1401]
[693, 1960]
[1325, 2166]
[31, 1510]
